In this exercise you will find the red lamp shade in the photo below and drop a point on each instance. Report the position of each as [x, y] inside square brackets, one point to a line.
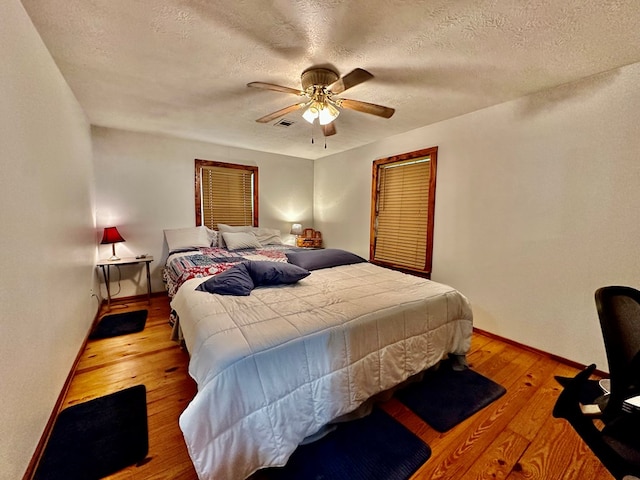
[112, 235]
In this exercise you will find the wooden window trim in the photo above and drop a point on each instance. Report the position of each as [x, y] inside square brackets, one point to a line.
[199, 164]
[432, 153]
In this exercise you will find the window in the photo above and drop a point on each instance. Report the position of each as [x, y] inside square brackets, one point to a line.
[402, 208]
[226, 193]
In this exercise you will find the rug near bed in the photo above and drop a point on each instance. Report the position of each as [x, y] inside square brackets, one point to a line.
[120, 324]
[445, 397]
[97, 438]
[375, 447]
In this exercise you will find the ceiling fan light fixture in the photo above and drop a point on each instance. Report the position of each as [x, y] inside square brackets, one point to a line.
[312, 112]
[328, 114]
[310, 115]
[319, 85]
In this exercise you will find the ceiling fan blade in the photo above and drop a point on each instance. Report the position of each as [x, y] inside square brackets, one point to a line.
[277, 88]
[281, 112]
[372, 108]
[351, 79]
[329, 129]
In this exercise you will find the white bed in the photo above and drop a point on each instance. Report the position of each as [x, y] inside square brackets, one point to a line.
[274, 367]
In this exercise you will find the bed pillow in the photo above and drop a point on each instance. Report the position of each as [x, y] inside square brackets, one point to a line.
[224, 228]
[213, 237]
[267, 236]
[317, 259]
[233, 281]
[275, 273]
[184, 238]
[238, 240]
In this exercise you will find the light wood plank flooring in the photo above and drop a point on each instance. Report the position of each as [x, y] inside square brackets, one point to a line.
[514, 438]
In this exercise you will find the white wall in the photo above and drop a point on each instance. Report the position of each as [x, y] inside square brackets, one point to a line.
[48, 236]
[537, 205]
[145, 184]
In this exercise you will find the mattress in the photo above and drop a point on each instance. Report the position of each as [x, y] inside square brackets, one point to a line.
[274, 367]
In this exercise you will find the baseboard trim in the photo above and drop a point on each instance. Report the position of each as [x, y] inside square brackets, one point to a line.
[133, 298]
[552, 356]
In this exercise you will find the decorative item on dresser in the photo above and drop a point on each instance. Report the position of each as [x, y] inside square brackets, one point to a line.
[310, 238]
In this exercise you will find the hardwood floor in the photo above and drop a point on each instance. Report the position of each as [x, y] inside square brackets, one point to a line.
[514, 438]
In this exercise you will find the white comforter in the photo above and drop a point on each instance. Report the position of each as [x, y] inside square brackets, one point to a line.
[274, 367]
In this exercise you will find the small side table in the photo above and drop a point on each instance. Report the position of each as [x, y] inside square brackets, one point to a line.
[105, 265]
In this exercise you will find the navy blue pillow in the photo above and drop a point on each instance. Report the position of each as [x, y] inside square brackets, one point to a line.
[234, 281]
[317, 259]
[275, 273]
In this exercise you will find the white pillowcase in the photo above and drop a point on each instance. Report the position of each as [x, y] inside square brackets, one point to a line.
[213, 237]
[181, 238]
[266, 236]
[238, 240]
[222, 228]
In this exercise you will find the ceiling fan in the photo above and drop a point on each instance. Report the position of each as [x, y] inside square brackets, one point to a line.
[319, 86]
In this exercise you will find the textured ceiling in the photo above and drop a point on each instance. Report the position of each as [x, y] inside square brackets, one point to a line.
[180, 67]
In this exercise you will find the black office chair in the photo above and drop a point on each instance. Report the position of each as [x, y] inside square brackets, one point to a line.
[619, 312]
[617, 445]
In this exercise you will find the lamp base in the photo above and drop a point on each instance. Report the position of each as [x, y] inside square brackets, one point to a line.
[113, 256]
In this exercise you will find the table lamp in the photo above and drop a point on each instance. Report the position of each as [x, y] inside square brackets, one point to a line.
[296, 229]
[112, 236]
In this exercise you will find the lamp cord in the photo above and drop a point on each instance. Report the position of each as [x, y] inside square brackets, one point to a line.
[119, 278]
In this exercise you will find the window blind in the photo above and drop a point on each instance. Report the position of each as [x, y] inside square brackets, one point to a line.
[402, 213]
[227, 196]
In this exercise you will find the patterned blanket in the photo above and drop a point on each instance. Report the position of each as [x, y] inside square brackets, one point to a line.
[203, 262]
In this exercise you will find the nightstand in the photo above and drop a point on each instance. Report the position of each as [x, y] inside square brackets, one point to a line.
[106, 264]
